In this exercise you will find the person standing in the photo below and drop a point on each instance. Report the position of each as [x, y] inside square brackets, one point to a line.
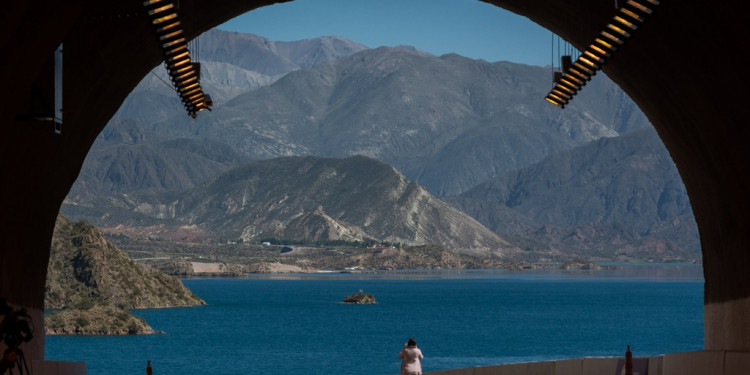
[410, 358]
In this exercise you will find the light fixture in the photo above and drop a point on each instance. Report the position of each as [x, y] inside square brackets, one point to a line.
[575, 75]
[574, 72]
[184, 74]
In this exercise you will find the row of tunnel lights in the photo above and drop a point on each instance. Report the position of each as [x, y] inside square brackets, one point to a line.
[574, 75]
[184, 74]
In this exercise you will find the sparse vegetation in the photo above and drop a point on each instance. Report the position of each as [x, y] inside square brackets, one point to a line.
[93, 283]
[99, 320]
[329, 243]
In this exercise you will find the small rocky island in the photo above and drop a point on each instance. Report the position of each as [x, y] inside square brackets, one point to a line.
[360, 298]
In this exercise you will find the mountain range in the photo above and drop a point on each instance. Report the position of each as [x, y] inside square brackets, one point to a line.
[618, 196]
[456, 126]
[446, 122]
[307, 198]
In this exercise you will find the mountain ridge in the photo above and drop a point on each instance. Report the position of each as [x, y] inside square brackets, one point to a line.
[412, 110]
[620, 193]
[312, 198]
[448, 123]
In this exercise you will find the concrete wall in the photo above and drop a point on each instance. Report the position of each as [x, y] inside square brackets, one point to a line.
[57, 368]
[689, 363]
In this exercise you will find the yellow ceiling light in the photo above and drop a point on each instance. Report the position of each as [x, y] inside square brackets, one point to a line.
[618, 30]
[579, 74]
[184, 74]
[156, 21]
[167, 27]
[604, 44]
[563, 88]
[552, 101]
[180, 58]
[626, 23]
[184, 82]
[576, 80]
[182, 47]
[557, 100]
[195, 97]
[590, 55]
[189, 92]
[588, 62]
[171, 35]
[183, 69]
[632, 15]
[583, 67]
[183, 89]
[160, 9]
[599, 50]
[639, 6]
[561, 94]
[612, 38]
[569, 85]
[574, 76]
[176, 41]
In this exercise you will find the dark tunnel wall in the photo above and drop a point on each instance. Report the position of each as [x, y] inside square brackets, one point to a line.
[685, 68]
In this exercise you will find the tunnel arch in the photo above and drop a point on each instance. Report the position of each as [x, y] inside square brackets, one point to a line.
[684, 70]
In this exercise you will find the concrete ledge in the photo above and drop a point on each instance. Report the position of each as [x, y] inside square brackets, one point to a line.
[460, 371]
[693, 363]
[569, 367]
[702, 362]
[599, 366]
[57, 368]
[541, 368]
[509, 369]
[736, 363]
[655, 365]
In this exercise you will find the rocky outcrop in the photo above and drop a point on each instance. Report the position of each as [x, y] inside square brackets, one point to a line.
[178, 267]
[360, 298]
[95, 284]
[579, 264]
[97, 320]
[87, 269]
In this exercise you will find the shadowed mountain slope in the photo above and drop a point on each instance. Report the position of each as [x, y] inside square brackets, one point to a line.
[616, 194]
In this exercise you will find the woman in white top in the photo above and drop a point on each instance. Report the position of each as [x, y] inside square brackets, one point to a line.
[410, 356]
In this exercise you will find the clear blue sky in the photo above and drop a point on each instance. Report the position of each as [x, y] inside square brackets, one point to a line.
[468, 27]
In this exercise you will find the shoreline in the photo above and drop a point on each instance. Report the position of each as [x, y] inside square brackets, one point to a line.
[629, 271]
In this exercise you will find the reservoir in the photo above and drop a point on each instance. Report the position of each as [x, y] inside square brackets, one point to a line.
[297, 324]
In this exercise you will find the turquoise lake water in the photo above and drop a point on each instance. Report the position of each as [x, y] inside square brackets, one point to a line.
[298, 325]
